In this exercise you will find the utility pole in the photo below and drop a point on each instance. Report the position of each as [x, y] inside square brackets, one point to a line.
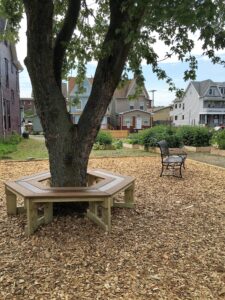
[153, 92]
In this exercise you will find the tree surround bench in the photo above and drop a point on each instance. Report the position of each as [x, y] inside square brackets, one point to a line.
[102, 186]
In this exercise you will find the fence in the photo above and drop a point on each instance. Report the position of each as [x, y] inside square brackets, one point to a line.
[118, 134]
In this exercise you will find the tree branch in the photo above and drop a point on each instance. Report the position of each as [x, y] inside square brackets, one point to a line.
[64, 37]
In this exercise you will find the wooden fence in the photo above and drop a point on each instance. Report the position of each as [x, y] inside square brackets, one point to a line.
[118, 134]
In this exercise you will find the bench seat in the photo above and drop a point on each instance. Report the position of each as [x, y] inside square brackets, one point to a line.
[102, 186]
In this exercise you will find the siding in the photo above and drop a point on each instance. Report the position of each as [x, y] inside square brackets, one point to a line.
[6, 91]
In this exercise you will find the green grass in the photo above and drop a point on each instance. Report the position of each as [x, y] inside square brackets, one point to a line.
[29, 148]
[35, 148]
[6, 149]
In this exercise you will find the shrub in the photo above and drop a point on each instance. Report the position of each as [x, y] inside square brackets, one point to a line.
[6, 149]
[219, 139]
[25, 135]
[195, 135]
[13, 139]
[118, 144]
[133, 138]
[150, 137]
[104, 138]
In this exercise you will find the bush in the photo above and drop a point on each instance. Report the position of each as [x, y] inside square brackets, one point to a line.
[219, 139]
[150, 137]
[6, 149]
[25, 135]
[104, 138]
[13, 139]
[118, 144]
[133, 138]
[195, 135]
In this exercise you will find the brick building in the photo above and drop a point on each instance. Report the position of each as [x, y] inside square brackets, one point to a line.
[10, 120]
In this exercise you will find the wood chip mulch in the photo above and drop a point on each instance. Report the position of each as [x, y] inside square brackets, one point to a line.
[170, 246]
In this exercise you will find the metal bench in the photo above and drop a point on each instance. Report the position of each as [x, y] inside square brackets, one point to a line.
[102, 186]
[172, 160]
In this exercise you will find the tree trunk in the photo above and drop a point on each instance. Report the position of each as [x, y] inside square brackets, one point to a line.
[69, 145]
[68, 156]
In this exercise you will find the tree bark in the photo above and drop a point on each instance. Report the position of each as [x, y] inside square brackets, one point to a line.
[69, 145]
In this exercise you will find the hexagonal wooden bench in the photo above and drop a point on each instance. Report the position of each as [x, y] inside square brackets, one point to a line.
[102, 186]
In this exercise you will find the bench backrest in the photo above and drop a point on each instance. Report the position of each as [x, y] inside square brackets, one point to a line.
[164, 149]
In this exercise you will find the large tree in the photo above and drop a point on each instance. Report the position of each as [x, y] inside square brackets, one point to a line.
[119, 34]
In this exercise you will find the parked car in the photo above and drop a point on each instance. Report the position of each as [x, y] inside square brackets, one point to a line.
[217, 128]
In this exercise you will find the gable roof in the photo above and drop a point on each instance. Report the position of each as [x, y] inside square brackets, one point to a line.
[203, 86]
[136, 110]
[123, 91]
[72, 83]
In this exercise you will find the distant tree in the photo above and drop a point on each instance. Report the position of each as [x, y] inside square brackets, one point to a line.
[119, 35]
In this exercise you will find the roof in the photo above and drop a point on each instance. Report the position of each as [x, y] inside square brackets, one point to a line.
[72, 83]
[135, 110]
[122, 91]
[202, 86]
[161, 108]
[26, 99]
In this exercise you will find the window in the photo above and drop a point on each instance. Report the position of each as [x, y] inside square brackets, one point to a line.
[145, 121]
[6, 72]
[127, 122]
[175, 118]
[222, 90]
[78, 104]
[12, 96]
[141, 105]
[182, 117]
[6, 114]
[212, 92]
[131, 106]
[17, 80]
[180, 105]
[175, 105]
[183, 105]
[12, 67]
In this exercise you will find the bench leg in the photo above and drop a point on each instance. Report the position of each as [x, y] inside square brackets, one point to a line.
[104, 220]
[106, 214]
[48, 212]
[32, 217]
[128, 198]
[11, 202]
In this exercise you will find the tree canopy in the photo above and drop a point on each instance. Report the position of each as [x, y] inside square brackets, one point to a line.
[80, 28]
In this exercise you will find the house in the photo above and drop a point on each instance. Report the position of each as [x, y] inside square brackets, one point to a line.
[28, 110]
[10, 120]
[78, 97]
[125, 110]
[128, 110]
[28, 106]
[162, 116]
[203, 103]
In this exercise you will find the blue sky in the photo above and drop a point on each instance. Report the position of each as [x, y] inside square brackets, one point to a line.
[174, 68]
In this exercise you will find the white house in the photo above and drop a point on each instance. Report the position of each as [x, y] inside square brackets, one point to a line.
[203, 103]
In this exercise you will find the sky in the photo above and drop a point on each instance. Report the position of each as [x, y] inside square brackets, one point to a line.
[174, 68]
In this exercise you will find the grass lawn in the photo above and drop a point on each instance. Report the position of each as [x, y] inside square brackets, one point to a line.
[35, 148]
[29, 148]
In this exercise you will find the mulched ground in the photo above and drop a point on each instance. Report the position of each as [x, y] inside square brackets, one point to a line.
[170, 246]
